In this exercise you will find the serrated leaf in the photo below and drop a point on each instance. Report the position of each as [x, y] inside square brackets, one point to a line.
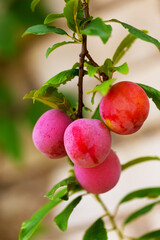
[62, 219]
[98, 28]
[124, 47]
[97, 115]
[50, 97]
[62, 183]
[96, 231]
[43, 29]
[91, 69]
[63, 77]
[122, 69]
[53, 16]
[29, 227]
[151, 236]
[141, 193]
[103, 88]
[152, 93]
[140, 212]
[73, 14]
[34, 4]
[138, 33]
[56, 45]
[139, 160]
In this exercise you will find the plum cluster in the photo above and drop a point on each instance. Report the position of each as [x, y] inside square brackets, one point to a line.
[88, 141]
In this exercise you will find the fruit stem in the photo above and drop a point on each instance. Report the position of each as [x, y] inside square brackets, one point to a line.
[110, 216]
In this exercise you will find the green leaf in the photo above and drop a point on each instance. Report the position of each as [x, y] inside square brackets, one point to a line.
[53, 16]
[107, 67]
[138, 33]
[91, 69]
[62, 219]
[103, 88]
[152, 93]
[29, 227]
[98, 28]
[73, 14]
[97, 115]
[140, 212]
[34, 4]
[43, 29]
[9, 138]
[63, 77]
[124, 47]
[142, 193]
[138, 160]
[50, 97]
[62, 183]
[151, 236]
[122, 69]
[56, 45]
[96, 231]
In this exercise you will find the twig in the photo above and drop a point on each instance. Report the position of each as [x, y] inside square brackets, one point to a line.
[111, 218]
[81, 64]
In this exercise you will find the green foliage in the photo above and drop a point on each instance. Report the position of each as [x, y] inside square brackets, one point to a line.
[103, 88]
[34, 111]
[53, 16]
[56, 45]
[62, 219]
[142, 193]
[152, 93]
[122, 68]
[108, 68]
[43, 29]
[34, 4]
[138, 33]
[96, 231]
[139, 160]
[73, 14]
[63, 77]
[91, 69]
[150, 236]
[98, 28]
[140, 212]
[9, 137]
[29, 227]
[51, 97]
[65, 182]
[124, 47]
[96, 114]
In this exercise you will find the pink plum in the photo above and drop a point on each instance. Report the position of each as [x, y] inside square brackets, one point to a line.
[87, 142]
[101, 178]
[125, 108]
[48, 133]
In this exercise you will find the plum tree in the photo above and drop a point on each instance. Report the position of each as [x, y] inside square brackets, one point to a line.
[125, 108]
[48, 133]
[87, 142]
[101, 178]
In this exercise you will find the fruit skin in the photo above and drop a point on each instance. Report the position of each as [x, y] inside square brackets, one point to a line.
[87, 142]
[49, 131]
[125, 108]
[101, 178]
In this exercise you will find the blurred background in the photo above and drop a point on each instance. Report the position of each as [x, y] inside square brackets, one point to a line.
[25, 174]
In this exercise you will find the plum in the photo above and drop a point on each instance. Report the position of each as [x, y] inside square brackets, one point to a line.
[49, 131]
[87, 142]
[125, 108]
[101, 178]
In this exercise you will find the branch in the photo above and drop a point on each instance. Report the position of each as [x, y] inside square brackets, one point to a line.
[81, 65]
